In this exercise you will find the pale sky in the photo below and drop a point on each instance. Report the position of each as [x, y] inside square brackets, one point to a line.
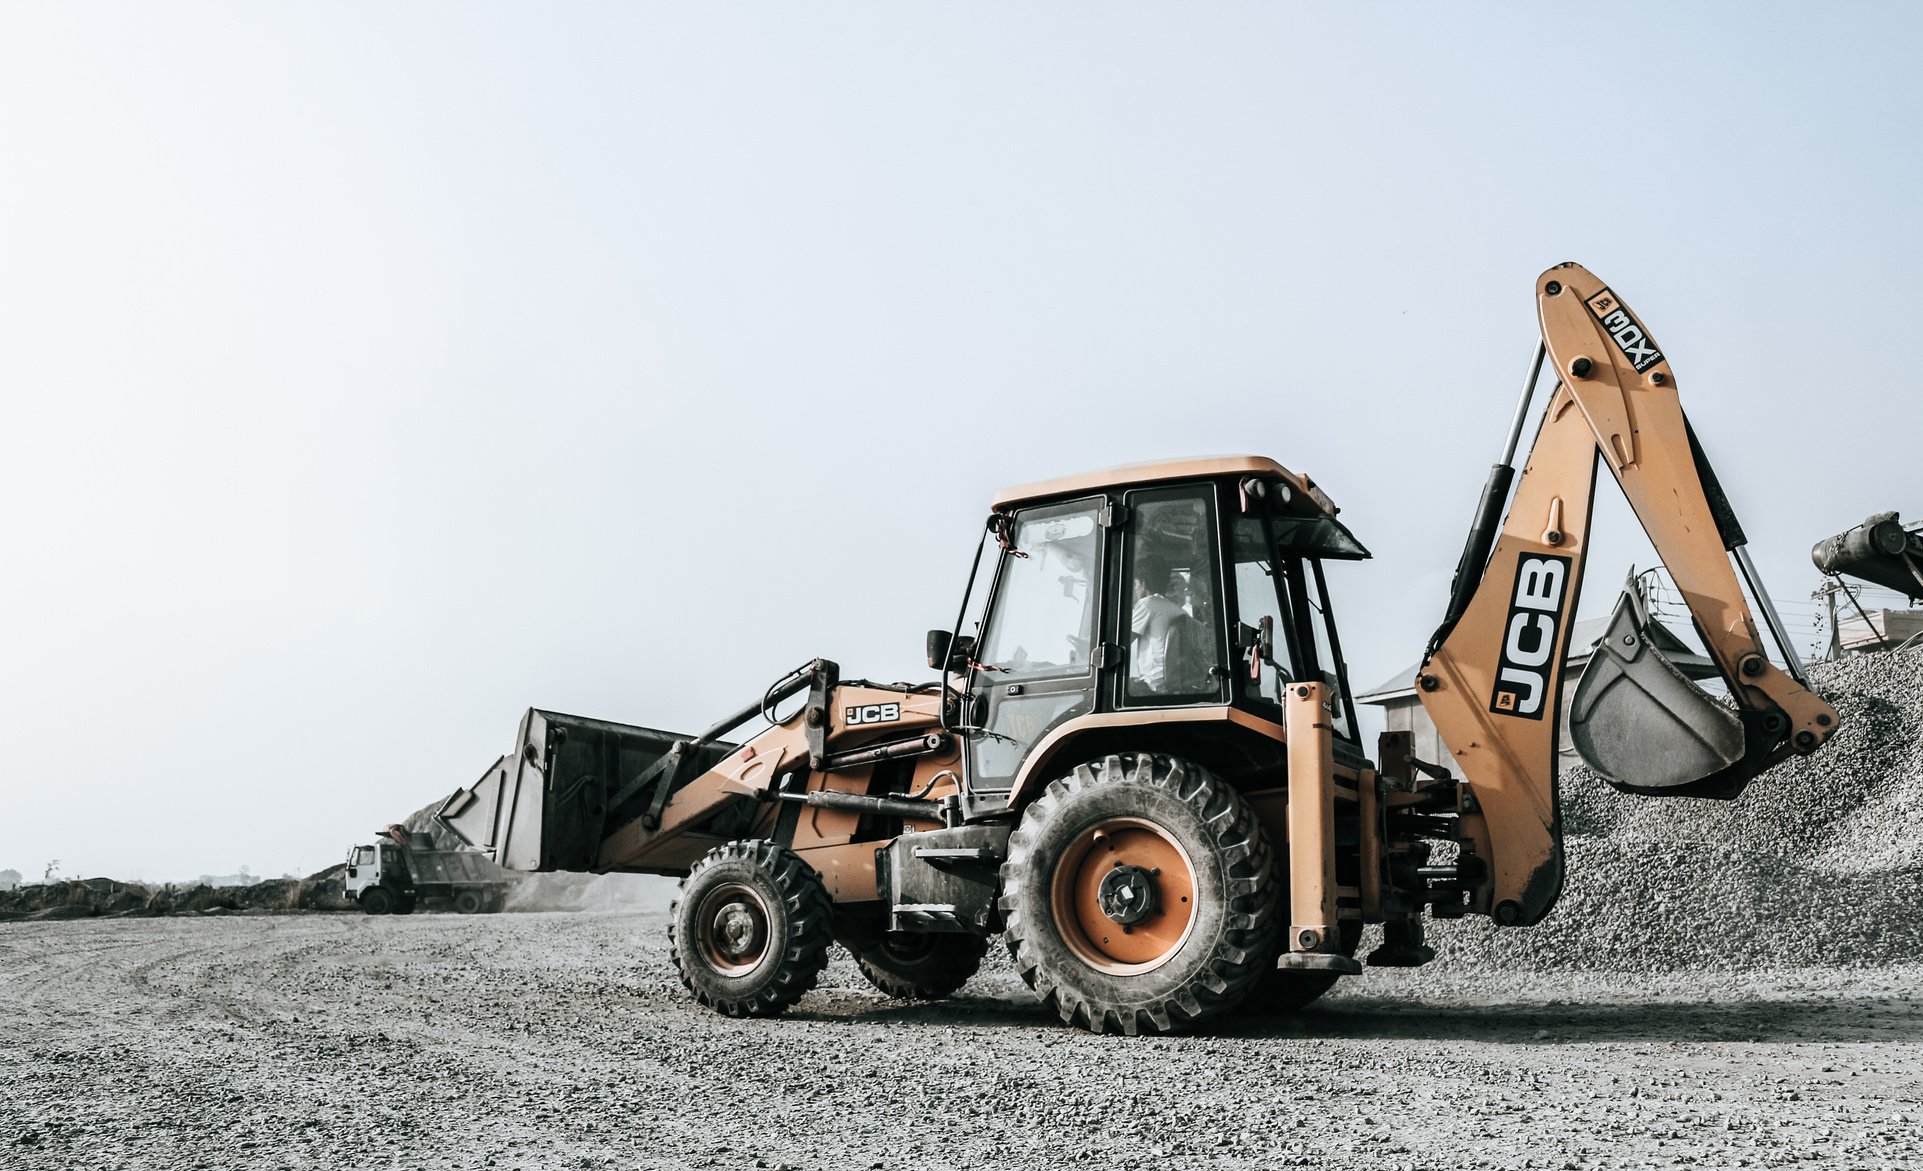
[372, 372]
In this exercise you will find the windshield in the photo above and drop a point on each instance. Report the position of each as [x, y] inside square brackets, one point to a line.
[1042, 617]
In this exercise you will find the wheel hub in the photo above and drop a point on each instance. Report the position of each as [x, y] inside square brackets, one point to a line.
[736, 932]
[1123, 895]
[1128, 894]
[733, 929]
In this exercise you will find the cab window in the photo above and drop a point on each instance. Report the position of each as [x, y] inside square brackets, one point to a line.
[1042, 619]
[1328, 656]
[1262, 593]
[1171, 609]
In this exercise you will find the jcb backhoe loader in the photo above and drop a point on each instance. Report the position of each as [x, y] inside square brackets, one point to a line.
[1142, 768]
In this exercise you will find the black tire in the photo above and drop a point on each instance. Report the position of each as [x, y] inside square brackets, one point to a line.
[1279, 993]
[378, 900]
[750, 929]
[1193, 959]
[470, 902]
[922, 965]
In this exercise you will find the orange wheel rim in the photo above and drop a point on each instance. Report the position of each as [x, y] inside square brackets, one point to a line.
[731, 927]
[1123, 896]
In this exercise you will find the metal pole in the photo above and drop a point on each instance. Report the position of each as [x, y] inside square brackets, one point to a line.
[1482, 531]
[1836, 635]
[1522, 408]
[1770, 617]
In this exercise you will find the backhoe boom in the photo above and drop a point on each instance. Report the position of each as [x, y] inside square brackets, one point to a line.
[1493, 681]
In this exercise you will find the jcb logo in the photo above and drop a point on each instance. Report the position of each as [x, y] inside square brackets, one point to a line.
[874, 713]
[1628, 335]
[1529, 637]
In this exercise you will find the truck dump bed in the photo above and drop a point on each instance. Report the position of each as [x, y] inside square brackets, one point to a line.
[454, 868]
[569, 781]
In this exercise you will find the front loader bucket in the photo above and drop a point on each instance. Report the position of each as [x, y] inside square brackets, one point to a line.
[570, 779]
[1648, 729]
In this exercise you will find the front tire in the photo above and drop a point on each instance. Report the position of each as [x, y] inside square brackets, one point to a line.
[922, 965]
[1141, 895]
[378, 900]
[750, 929]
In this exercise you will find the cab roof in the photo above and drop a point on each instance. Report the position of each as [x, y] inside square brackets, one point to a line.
[1197, 468]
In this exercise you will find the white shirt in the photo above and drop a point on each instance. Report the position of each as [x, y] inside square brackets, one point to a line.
[1148, 658]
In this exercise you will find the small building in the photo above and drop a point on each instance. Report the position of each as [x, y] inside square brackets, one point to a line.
[1403, 711]
[1862, 632]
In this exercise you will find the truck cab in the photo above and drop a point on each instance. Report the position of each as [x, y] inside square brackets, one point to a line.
[378, 878]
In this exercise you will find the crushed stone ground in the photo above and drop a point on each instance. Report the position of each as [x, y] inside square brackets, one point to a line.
[563, 1041]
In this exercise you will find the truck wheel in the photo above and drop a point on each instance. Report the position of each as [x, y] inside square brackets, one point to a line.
[922, 965]
[1279, 993]
[470, 902]
[1140, 895]
[750, 929]
[378, 900]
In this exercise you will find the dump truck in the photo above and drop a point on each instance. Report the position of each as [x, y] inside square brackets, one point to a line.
[1138, 760]
[398, 869]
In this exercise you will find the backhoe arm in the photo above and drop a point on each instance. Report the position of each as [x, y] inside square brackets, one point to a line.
[1493, 681]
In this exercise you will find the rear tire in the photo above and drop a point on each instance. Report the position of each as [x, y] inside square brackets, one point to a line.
[378, 900]
[922, 965]
[751, 929]
[470, 902]
[1140, 895]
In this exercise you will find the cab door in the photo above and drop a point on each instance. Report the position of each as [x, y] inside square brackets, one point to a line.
[1036, 659]
[1170, 618]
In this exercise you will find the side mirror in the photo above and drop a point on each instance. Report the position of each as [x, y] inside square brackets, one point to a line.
[949, 652]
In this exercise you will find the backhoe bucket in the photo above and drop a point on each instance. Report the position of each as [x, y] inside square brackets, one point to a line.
[1646, 727]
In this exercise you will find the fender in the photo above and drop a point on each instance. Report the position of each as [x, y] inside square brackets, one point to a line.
[1035, 771]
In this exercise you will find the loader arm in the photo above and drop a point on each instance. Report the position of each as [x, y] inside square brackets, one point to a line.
[1493, 681]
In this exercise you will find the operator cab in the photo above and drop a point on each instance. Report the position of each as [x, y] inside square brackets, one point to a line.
[1160, 588]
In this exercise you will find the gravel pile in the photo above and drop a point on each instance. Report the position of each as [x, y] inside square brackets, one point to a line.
[90, 898]
[1819, 862]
